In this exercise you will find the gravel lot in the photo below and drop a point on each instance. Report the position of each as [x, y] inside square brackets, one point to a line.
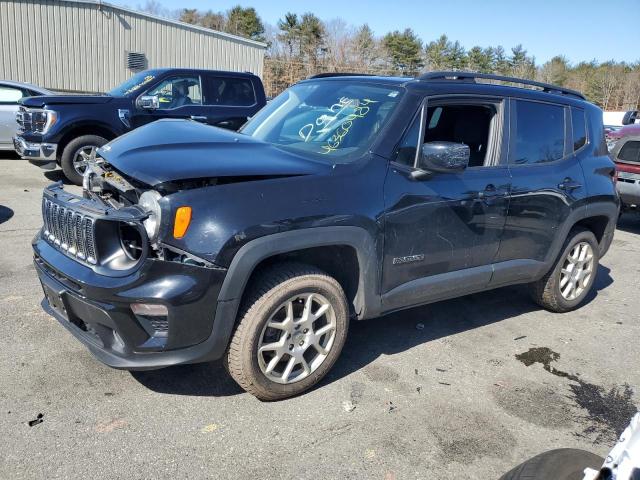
[442, 391]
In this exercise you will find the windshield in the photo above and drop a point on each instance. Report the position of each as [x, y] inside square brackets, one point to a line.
[135, 83]
[337, 120]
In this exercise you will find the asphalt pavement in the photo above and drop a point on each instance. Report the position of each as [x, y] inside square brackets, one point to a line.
[465, 388]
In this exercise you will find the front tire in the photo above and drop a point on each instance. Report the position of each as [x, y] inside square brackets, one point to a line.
[570, 280]
[75, 155]
[560, 464]
[292, 327]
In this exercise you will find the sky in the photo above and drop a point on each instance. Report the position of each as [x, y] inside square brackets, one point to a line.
[580, 30]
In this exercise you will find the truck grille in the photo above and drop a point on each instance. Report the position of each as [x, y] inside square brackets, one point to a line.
[24, 119]
[69, 231]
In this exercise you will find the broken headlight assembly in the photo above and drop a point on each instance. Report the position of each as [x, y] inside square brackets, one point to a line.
[150, 202]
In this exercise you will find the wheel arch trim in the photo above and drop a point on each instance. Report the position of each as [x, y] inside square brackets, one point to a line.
[595, 209]
[251, 254]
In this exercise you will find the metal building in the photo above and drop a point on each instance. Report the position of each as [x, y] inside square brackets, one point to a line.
[91, 46]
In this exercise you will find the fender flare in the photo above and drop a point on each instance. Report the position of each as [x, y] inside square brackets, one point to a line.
[367, 301]
[596, 209]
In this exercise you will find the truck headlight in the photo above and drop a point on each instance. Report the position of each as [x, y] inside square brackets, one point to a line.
[43, 120]
[150, 202]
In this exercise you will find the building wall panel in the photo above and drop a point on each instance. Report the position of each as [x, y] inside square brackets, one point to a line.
[81, 46]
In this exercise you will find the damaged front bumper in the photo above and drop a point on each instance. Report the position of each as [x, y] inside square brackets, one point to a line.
[97, 309]
[131, 312]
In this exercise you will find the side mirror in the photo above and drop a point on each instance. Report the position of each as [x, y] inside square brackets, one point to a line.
[445, 157]
[630, 117]
[149, 102]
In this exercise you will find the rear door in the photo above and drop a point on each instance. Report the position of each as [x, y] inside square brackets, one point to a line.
[179, 96]
[230, 100]
[547, 182]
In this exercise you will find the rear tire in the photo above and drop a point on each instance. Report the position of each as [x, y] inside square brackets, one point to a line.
[278, 349]
[571, 278]
[73, 153]
[560, 464]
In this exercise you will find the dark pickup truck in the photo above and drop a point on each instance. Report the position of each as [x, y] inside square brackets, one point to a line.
[66, 129]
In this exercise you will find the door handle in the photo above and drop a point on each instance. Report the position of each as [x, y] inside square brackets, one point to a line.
[488, 192]
[199, 118]
[568, 184]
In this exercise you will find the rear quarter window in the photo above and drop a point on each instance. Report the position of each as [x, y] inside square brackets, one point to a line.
[540, 133]
[579, 127]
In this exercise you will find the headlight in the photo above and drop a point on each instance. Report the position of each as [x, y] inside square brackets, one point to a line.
[149, 201]
[41, 120]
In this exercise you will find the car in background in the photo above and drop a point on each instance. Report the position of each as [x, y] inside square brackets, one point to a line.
[630, 126]
[626, 155]
[66, 129]
[10, 94]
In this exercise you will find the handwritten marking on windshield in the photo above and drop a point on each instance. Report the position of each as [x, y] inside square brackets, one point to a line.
[325, 123]
[144, 81]
[335, 140]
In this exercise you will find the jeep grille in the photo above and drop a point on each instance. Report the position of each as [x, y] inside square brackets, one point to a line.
[69, 231]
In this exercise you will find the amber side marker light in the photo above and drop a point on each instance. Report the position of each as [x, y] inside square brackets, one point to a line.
[182, 221]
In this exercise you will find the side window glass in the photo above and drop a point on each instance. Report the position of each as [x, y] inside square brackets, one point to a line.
[177, 92]
[630, 152]
[406, 152]
[230, 91]
[10, 95]
[540, 133]
[579, 128]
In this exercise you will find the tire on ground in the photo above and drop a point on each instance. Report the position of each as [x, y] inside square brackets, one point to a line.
[269, 290]
[546, 291]
[66, 159]
[560, 464]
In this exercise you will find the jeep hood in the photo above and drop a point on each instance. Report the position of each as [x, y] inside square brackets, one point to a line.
[171, 150]
[43, 100]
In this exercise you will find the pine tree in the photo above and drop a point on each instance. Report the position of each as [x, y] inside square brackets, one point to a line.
[245, 22]
[404, 50]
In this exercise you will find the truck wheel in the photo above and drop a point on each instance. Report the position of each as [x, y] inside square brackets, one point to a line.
[560, 464]
[76, 154]
[568, 283]
[291, 330]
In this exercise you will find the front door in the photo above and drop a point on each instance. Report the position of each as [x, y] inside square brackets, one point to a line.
[443, 231]
[179, 96]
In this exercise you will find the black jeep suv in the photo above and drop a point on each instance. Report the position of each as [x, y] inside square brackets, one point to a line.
[346, 197]
[66, 129]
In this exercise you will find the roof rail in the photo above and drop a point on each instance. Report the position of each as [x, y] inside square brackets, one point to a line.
[471, 76]
[340, 74]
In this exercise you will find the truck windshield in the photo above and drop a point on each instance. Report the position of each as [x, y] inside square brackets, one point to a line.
[337, 120]
[134, 84]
